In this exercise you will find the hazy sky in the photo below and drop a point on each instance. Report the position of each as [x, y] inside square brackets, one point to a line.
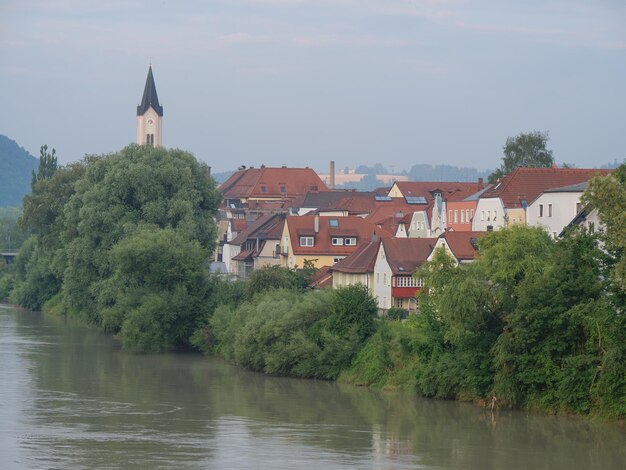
[301, 82]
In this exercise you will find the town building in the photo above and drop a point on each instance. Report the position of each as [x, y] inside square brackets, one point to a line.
[322, 240]
[150, 115]
[506, 203]
[555, 208]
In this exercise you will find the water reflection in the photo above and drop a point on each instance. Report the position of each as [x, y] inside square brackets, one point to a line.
[73, 398]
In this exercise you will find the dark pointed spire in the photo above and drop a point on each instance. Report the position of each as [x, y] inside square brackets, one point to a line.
[150, 98]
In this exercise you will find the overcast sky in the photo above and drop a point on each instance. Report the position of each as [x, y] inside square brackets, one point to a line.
[301, 82]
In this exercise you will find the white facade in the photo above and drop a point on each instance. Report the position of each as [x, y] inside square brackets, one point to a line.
[149, 129]
[489, 213]
[347, 279]
[442, 243]
[420, 225]
[553, 211]
[382, 279]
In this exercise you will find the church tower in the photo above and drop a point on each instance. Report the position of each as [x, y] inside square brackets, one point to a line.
[149, 115]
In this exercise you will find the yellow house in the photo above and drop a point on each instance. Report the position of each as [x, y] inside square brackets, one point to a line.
[322, 240]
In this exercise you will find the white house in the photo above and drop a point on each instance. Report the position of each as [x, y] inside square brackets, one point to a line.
[555, 208]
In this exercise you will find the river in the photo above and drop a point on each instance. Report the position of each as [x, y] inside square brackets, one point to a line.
[71, 398]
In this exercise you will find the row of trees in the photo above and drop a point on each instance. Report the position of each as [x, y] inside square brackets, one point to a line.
[121, 240]
[532, 323]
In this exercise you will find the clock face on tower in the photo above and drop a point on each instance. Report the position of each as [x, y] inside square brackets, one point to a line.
[149, 121]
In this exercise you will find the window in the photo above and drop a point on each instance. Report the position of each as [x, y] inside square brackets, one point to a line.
[336, 241]
[350, 241]
[540, 210]
[482, 215]
[333, 223]
[549, 210]
[495, 215]
[384, 279]
[450, 215]
[263, 188]
[283, 188]
[467, 216]
[336, 259]
[472, 213]
[456, 216]
[306, 241]
[408, 281]
[578, 207]
[462, 216]
[488, 215]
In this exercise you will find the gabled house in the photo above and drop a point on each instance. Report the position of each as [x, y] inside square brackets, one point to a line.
[507, 201]
[257, 246]
[357, 268]
[397, 260]
[555, 208]
[428, 201]
[322, 240]
[460, 245]
[461, 210]
[249, 186]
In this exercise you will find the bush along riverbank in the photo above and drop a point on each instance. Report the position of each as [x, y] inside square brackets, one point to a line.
[122, 241]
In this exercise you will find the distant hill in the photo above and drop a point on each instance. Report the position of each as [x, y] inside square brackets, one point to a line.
[16, 166]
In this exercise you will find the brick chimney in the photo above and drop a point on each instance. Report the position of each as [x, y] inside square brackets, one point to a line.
[331, 175]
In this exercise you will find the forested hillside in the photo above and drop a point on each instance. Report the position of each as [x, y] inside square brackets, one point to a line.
[16, 166]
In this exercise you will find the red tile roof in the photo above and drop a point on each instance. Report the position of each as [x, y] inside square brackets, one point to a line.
[243, 256]
[451, 191]
[462, 243]
[349, 226]
[322, 278]
[239, 224]
[249, 183]
[268, 225]
[528, 183]
[360, 261]
[405, 255]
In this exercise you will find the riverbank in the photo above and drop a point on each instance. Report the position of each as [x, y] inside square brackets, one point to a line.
[73, 399]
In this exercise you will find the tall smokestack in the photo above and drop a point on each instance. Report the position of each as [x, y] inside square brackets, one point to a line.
[331, 177]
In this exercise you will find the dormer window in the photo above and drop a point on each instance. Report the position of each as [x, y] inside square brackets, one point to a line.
[336, 241]
[333, 223]
[350, 241]
[306, 241]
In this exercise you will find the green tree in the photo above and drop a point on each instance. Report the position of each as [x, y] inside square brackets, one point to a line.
[158, 289]
[607, 194]
[48, 164]
[524, 150]
[118, 195]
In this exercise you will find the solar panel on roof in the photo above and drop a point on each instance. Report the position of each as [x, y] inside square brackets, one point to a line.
[382, 198]
[415, 200]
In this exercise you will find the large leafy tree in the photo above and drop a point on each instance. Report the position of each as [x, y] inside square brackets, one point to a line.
[138, 188]
[524, 150]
